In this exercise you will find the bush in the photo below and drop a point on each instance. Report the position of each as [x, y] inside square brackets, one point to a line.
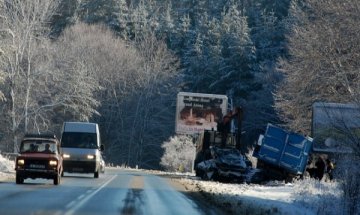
[179, 154]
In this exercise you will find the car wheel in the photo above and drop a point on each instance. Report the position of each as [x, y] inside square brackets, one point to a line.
[57, 179]
[19, 179]
[96, 174]
[103, 169]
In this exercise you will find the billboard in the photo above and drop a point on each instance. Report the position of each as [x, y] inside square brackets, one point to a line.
[197, 111]
[334, 125]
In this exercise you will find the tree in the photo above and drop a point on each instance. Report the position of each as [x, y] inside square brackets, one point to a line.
[77, 66]
[238, 66]
[147, 111]
[154, 112]
[135, 88]
[322, 63]
[98, 11]
[323, 66]
[179, 153]
[23, 27]
[64, 16]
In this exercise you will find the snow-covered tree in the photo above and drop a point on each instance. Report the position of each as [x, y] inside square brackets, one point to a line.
[238, 65]
[123, 15]
[179, 154]
[322, 63]
[98, 11]
[64, 16]
[24, 27]
[78, 66]
[323, 66]
[147, 111]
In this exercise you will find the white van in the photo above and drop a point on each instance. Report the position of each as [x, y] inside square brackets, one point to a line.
[81, 148]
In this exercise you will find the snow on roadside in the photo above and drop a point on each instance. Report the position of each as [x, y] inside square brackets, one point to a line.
[322, 197]
[250, 198]
[307, 196]
[6, 168]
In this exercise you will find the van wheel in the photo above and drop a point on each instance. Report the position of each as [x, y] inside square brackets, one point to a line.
[96, 174]
[57, 179]
[19, 179]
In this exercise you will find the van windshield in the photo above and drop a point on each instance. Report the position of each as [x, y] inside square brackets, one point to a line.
[79, 140]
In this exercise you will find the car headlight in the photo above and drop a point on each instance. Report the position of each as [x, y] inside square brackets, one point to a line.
[90, 157]
[66, 156]
[21, 162]
[53, 163]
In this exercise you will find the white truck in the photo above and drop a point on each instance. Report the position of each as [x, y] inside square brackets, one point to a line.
[334, 127]
[81, 148]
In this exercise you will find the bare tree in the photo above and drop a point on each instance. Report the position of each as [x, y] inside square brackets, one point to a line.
[322, 63]
[152, 117]
[323, 66]
[23, 25]
[133, 83]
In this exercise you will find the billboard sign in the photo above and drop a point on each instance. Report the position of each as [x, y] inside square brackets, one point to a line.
[197, 111]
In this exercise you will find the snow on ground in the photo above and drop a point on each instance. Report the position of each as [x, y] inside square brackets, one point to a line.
[272, 198]
[302, 197]
[6, 168]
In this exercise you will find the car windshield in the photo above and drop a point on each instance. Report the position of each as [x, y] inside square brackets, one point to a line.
[38, 146]
[79, 140]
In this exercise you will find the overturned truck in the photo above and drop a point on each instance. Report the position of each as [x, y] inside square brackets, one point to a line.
[281, 155]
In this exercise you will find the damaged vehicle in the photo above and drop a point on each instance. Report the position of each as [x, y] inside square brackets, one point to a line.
[226, 164]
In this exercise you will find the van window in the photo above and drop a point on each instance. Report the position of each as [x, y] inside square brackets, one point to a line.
[79, 140]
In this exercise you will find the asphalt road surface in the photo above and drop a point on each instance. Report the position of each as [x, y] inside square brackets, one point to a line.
[115, 192]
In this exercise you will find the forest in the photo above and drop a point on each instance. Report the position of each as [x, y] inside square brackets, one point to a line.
[120, 63]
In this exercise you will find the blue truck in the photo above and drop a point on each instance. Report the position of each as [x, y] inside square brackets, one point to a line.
[282, 154]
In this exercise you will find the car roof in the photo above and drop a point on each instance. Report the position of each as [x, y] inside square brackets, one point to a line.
[47, 137]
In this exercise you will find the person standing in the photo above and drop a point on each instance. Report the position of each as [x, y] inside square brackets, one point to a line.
[329, 168]
[320, 168]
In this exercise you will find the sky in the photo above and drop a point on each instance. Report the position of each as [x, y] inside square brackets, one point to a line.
[308, 196]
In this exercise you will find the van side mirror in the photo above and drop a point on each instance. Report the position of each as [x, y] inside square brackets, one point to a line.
[102, 148]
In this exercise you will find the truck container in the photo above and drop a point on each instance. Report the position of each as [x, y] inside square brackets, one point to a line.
[285, 152]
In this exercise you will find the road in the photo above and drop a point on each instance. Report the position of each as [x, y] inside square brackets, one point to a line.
[115, 192]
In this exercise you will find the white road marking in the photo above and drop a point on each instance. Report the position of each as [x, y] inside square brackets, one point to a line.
[81, 196]
[84, 200]
[70, 204]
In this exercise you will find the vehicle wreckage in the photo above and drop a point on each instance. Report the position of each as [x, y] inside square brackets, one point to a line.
[281, 155]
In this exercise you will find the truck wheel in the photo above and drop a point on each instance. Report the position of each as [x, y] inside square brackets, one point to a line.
[57, 179]
[96, 174]
[19, 179]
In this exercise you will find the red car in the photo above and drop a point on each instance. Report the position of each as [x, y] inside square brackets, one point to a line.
[39, 157]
